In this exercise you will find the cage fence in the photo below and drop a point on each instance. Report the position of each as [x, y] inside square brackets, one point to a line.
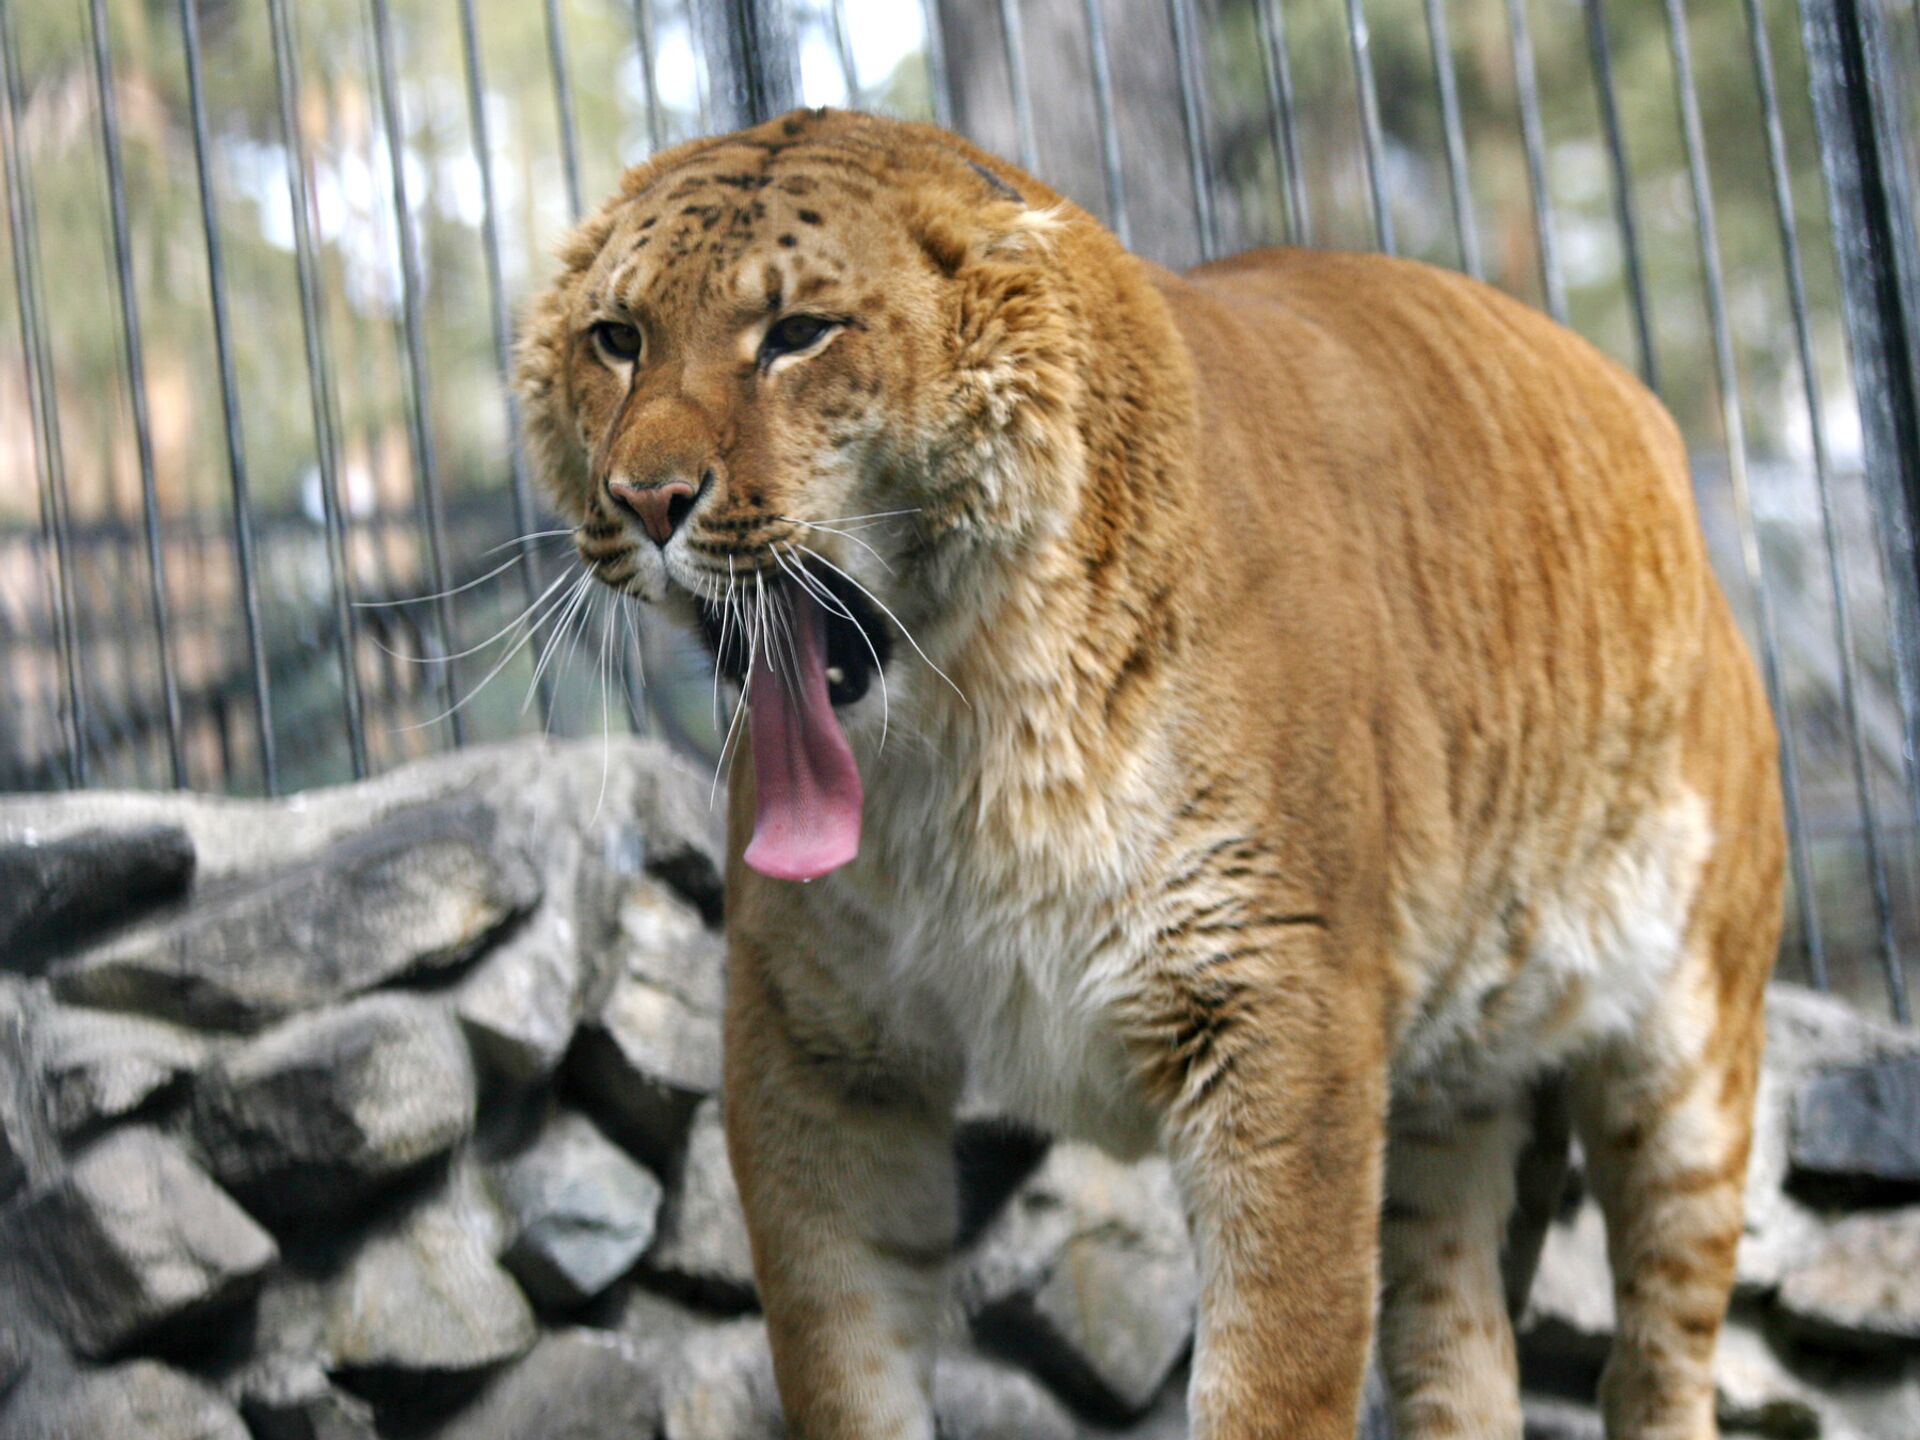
[265, 523]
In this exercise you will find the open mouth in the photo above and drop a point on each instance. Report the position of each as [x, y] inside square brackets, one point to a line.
[859, 642]
[803, 648]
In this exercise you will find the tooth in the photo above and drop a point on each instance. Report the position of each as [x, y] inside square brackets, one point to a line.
[835, 674]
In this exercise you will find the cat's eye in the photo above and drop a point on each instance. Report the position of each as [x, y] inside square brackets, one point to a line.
[793, 334]
[617, 342]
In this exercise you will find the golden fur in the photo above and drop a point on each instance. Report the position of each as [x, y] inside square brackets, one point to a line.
[1344, 730]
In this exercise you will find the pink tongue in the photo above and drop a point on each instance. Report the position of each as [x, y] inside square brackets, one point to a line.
[806, 785]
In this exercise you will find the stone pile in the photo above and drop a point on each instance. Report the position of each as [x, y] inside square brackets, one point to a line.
[394, 1111]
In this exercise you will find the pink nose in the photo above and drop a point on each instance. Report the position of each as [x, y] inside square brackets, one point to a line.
[660, 508]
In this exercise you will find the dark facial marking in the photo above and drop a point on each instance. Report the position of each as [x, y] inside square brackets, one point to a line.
[809, 217]
[788, 242]
[1001, 187]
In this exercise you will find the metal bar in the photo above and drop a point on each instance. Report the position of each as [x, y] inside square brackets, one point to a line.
[752, 56]
[524, 513]
[1600, 50]
[1872, 244]
[643, 37]
[286, 73]
[1822, 471]
[1370, 138]
[702, 74]
[420, 395]
[1193, 114]
[843, 44]
[1281, 119]
[137, 383]
[1728, 381]
[1109, 134]
[1533, 137]
[42, 399]
[1447, 79]
[939, 81]
[229, 397]
[563, 102]
[1016, 49]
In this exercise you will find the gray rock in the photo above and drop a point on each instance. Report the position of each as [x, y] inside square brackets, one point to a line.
[56, 892]
[422, 1295]
[574, 1385]
[1806, 1034]
[416, 895]
[1860, 1123]
[650, 1050]
[1569, 1312]
[29, 1153]
[13, 1358]
[721, 1387]
[1859, 1285]
[135, 1240]
[294, 1400]
[1088, 1279]
[978, 1399]
[581, 1212]
[702, 1248]
[1550, 1418]
[324, 1109]
[97, 1066]
[1755, 1392]
[523, 1001]
[140, 1400]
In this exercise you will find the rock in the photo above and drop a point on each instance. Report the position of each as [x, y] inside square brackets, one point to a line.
[1859, 1285]
[1807, 1033]
[28, 1151]
[977, 1399]
[139, 1399]
[721, 1387]
[581, 1212]
[1087, 1278]
[294, 1400]
[421, 1296]
[1569, 1314]
[657, 1322]
[991, 1156]
[13, 1359]
[1756, 1393]
[1860, 1124]
[702, 1249]
[135, 1240]
[322, 1110]
[523, 1001]
[650, 1051]
[57, 892]
[1551, 1418]
[573, 1385]
[415, 895]
[96, 1066]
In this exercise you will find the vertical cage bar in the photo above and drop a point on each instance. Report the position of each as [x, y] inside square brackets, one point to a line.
[524, 513]
[702, 72]
[1727, 380]
[643, 37]
[1359, 46]
[1103, 113]
[1016, 50]
[843, 46]
[939, 81]
[313, 328]
[243, 531]
[1193, 114]
[1600, 51]
[420, 395]
[1446, 78]
[42, 399]
[1281, 118]
[130, 334]
[753, 56]
[1534, 139]
[1823, 479]
[562, 74]
[1873, 243]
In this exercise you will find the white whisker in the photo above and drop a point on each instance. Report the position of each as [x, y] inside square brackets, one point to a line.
[894, 618]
